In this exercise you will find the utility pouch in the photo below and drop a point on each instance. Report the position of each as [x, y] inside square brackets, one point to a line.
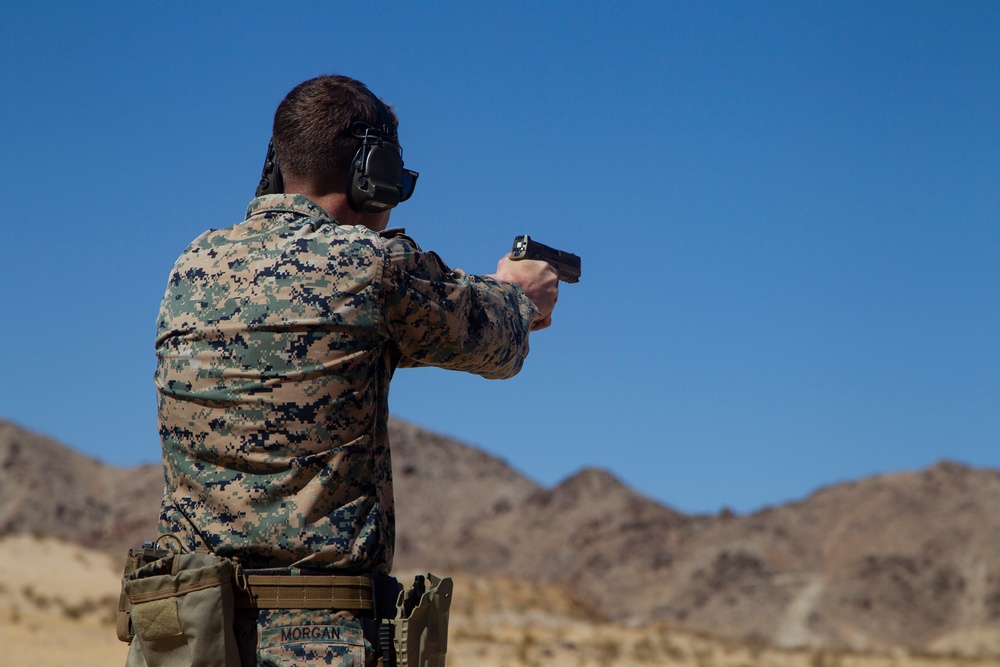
[418, 635]
[182, 612]
[145, 555]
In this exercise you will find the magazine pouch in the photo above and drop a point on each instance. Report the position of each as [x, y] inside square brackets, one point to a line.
[182, 612]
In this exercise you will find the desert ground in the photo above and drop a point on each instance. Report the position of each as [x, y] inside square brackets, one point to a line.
[57, 603]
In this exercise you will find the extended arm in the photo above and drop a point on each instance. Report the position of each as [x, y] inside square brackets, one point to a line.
[443, 317]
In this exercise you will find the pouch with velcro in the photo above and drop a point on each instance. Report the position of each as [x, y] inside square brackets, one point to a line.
[182, 612]
[136, 558]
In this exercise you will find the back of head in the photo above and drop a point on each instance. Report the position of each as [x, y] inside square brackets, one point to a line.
[312, 134]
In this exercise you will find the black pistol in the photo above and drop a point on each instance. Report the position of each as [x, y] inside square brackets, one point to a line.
[565, 263]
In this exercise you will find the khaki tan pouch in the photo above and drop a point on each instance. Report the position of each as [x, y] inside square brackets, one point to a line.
[182, 612]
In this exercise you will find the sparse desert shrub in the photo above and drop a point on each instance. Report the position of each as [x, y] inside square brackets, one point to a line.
[703, 657]
[525, 647]
[822, 658]
[75, 612]
[474, 635]
[644, 650]
[34, 598]
[670, 649]
[107, 604]
[608, 651]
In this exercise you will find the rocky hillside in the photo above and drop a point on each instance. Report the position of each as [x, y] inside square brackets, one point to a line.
[899, 560]
[49, 489]
[907, 560]
[53, 589]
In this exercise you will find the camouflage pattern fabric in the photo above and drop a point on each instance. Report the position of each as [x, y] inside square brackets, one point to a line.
[290, 638]
[276, 341]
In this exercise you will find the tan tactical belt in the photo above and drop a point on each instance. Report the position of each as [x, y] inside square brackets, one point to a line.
[249, 591]
[160, 588]
[269, 591]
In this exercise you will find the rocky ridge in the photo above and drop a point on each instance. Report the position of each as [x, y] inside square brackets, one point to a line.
[906, 560]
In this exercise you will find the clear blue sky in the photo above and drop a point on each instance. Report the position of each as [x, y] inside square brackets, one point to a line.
[787, 212]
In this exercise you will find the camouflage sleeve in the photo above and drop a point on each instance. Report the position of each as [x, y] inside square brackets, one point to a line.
[443, 317]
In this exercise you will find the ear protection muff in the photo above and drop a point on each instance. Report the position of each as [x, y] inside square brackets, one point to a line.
[377, 180]
[271, 182]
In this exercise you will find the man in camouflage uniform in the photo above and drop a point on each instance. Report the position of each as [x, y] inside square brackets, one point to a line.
[276, 340]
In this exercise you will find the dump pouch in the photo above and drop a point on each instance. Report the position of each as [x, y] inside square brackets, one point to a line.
[136, 559]
[182, 612]
[419, 632]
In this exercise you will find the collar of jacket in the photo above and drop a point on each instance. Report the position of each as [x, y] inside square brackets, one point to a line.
[288, 204]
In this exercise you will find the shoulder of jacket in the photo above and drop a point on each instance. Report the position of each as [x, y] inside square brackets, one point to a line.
[393, 232]
[399, 234]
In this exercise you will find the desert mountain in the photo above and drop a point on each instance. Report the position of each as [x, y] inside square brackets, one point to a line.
[904, 560]
[50, 489]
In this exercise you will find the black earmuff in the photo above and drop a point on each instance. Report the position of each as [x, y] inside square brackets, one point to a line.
[271, 182]
[377, 180]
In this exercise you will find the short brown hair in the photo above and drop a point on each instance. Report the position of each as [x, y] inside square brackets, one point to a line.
[312, 129]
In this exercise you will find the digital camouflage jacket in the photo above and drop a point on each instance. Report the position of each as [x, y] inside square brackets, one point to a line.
[276, 341]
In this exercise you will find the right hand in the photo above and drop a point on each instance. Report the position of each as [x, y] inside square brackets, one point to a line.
[539, 281]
